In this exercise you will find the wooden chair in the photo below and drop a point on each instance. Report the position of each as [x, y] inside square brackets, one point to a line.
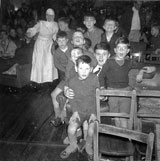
[110, 130]
[143, 119]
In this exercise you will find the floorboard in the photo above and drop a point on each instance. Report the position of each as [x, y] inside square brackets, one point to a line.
[25, 130]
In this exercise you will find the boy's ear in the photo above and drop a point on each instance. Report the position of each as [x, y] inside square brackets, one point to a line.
[71, 41]
[128, 50]
[109, 54]
[115, 28]
[91, 69]
[76, 68]
[84, 41]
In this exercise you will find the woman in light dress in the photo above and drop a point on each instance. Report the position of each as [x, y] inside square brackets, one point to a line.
[43, 69]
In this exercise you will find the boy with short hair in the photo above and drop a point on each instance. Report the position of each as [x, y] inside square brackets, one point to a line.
[110, 36]
[83, 105]
[63, 23]
[102, 53]
[114, 75]
[69, 73]
[155, 39]
[93, 33]
[62, 54]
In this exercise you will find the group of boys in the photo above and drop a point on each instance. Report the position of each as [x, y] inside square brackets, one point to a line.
[81, 73]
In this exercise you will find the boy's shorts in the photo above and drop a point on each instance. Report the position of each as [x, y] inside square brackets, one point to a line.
[61, 99]
[83, 118]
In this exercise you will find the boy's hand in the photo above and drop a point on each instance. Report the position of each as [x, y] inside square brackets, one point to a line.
[139, 76]
[68, 92]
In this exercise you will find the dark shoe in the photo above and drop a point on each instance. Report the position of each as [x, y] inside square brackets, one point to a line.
[64, 154]
[56, 122]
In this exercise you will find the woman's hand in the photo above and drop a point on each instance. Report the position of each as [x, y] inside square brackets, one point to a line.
[68, 92]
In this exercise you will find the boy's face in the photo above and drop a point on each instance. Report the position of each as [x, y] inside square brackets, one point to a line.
[75, 54]
[101, 56]
[3, 35]
[154, 31]
[89, 22]
[121, 51]
[62, 42]
[78, 39]
[138, 4]
[13, 32]
[109, 25]
[62, 25]
[49, 17]
[83, 70]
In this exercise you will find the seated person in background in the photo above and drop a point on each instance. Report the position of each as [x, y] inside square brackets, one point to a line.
[13, 35]
[63, 24]
[155, 38]
[110, 36]
[69, 73]
[83, 105]
[93, 33]
[114, 75]
[7, 46]
[61, 54]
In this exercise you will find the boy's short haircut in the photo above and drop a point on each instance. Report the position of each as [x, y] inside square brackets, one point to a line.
[89, 14]
[156, 25]
[64, 19]
[2, 30]
[61, 34]
[84, 59]
[111, 18]
[103, 46]
[78, 32]
[122, 40]
[88, 43]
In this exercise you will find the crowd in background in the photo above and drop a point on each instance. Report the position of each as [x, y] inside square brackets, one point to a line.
[17, 22]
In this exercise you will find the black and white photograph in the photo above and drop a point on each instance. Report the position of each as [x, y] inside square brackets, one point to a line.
[79, 80]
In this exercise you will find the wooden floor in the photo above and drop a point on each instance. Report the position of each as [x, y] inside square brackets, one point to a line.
[25, 130]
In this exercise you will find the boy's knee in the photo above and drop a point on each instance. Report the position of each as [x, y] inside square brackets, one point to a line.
[72, 129]
[53, 95]
[85, 125]
[90, 130]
